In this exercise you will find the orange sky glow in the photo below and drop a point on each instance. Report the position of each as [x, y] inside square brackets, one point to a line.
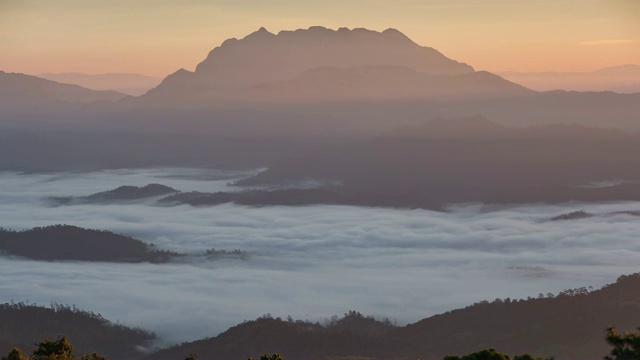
[157, 37]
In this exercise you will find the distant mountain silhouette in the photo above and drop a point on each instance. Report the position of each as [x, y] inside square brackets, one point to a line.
[130, 84]
[300, 197]
[570, 325]
[578, 215]
[122, 193]
[26, 324]
[621, 79]
[18, 90]
[263, 57]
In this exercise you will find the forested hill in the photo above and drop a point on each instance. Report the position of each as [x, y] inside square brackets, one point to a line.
[65, 242]
[568, 326]
[22, 325]
[354, 334]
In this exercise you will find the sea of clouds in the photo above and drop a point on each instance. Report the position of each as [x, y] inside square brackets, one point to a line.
[308, 262]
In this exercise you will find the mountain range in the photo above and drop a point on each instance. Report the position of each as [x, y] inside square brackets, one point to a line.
[621, 79]
[256, 100]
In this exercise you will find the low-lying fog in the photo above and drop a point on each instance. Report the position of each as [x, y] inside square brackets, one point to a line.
[308, 262]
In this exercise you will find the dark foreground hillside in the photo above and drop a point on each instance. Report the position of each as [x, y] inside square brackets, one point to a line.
[353, 334]
[569, 326]
[22, 325]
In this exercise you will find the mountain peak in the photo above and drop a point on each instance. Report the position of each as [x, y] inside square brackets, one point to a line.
[263, 57]
[261, 34]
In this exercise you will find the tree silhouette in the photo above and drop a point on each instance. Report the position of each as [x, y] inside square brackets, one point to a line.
[48, 349]
[491, 354]
[93, 356]
[275, 356]
[625, 346]
[15, 354]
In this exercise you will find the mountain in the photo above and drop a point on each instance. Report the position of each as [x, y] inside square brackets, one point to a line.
[25, 324]
[621, 79]
[130, 84]
[20, 90]
[570, 326]
[263, 57]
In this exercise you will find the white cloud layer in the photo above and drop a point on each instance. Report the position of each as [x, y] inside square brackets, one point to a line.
[310, 262]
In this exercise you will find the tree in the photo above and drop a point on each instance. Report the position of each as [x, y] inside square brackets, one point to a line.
[625, 346]
[491, 354]
[15, 354]
[267, 357]
[49, 349]
[93, 356]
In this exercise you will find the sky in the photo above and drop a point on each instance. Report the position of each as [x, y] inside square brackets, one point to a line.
[309, 262]
[157, 37]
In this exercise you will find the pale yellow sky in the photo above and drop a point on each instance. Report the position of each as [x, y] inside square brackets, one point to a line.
[157, 37]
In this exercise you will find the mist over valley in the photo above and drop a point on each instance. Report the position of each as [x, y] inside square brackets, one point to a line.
[238, 207]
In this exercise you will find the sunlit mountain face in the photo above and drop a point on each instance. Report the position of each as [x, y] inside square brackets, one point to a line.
[409, 180]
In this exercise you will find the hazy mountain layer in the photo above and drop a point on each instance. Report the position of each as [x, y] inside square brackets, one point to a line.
[19, 90]
[621, 79]
[473, 159]
[130, 84]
